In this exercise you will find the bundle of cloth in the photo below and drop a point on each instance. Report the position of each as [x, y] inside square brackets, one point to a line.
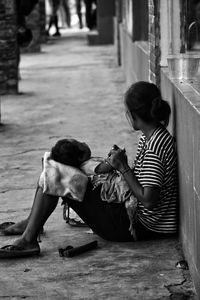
[62, 180]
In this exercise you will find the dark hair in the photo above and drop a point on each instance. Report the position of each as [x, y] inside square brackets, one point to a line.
[144, 99]
[70, 152]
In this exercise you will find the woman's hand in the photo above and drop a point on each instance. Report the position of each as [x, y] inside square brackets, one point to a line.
[117, 158]
[148, 196]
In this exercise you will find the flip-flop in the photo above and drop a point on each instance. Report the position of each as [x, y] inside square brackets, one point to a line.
[14, 251]
[76, 223]
[5, 225]
[72, 221]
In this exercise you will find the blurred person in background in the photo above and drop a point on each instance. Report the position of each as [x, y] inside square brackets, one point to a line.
[66, 8]
[90, 15]
[79, 12]
[24, 34]
[55, 4]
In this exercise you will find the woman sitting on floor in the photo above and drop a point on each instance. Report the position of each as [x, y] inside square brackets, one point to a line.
[152, 180]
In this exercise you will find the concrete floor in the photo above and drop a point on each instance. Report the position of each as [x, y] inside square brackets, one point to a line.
[70, 89]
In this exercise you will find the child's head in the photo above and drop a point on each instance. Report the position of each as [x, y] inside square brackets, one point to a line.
[70, 152]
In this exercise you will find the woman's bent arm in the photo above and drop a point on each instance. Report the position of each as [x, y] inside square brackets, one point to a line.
[148, 196]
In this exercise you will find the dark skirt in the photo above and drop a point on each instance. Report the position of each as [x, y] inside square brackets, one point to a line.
[108, 220]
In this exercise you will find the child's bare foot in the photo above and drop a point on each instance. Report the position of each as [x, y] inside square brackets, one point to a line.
[16, 229]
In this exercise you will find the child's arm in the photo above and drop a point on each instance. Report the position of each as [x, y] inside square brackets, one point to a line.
[103, 167]
[96, 165]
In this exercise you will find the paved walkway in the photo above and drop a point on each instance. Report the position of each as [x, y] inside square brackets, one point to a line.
[71, 89]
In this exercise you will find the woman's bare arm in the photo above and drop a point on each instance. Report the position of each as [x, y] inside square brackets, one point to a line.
[148, 196]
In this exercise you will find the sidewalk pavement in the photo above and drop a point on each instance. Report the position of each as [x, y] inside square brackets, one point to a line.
[71, 89]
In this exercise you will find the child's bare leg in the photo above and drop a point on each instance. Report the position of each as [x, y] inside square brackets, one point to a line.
[42, 208]
[19, 227]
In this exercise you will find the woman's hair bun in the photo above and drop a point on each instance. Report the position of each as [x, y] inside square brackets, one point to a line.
[145, 100]
[160, 110]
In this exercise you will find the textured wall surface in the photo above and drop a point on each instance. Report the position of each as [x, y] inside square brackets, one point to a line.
[154, 41]
[140, 59]
[185, 124]
[43, 37]
[134, 57]
[8, 48]
[105, 23]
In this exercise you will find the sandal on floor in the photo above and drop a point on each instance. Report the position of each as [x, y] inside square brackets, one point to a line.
[5, 225]
[14, 251]
[76, 223]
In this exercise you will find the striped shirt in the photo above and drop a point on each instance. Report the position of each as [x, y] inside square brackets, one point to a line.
[156, 165]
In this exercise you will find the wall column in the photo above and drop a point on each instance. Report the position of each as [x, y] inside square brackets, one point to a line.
[154, 41]
[8, 48]
[105, 23]
[43, 36]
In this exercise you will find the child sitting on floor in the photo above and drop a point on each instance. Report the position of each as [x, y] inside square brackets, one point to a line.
[67, 169]
[73, 153]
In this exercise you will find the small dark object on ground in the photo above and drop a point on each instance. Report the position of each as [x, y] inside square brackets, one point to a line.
[70, 251]
[27, 270]
[182, 264]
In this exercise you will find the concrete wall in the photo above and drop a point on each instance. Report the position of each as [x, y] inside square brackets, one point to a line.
[185, 125]
[105, 25]
[43, 36]
[134, 57]
[154, 41]
[141, 58]
[105, 13]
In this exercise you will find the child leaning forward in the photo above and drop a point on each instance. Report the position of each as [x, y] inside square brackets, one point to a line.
[69, 166]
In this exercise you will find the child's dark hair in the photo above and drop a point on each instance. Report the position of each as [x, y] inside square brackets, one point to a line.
[144, 99]
[70, 152]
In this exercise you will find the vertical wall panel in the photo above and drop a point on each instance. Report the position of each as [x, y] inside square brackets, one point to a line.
[8, 48]
[187, 125]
